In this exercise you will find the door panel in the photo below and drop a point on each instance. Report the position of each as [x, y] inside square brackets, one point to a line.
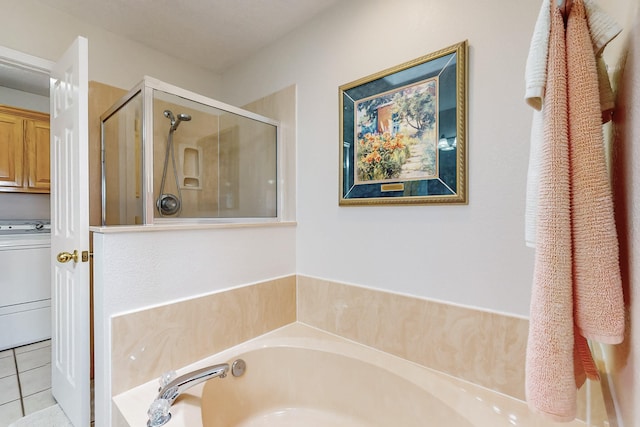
[69, 233]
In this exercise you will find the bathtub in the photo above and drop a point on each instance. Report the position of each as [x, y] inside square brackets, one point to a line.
[300, 376]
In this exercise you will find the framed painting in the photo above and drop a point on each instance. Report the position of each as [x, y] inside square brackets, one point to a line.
[403, 133]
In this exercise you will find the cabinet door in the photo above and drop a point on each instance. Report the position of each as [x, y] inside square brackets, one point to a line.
[11, 152]
[38, 146]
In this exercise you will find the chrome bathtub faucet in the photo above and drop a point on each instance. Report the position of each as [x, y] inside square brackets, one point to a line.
[159, 410]
[171, 388]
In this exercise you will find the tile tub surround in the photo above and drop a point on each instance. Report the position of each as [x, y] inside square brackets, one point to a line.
[484, 348]
[481, 347]
[331, 381]
[149, 342]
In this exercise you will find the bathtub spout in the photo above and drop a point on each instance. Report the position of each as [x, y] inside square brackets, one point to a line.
[178, 386]
[159, 410]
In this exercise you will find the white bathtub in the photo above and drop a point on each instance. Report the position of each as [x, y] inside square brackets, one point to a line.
[299, 376]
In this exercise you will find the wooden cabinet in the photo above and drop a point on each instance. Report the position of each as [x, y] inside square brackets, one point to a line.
[11, 151]
[24, 151]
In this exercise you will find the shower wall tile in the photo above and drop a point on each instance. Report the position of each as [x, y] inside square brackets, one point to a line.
[281, 106]
[482, 347]
[101, 98]
[149, 342]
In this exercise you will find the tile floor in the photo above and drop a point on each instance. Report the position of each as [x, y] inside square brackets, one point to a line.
[25, 381]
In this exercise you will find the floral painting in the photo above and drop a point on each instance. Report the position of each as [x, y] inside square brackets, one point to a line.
[396, 134]
[402, 137]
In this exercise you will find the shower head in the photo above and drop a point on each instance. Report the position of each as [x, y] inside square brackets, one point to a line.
[181, 118]
[176, 122]
[168, 114]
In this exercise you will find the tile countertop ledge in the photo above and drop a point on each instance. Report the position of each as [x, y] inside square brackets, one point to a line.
[186, 226]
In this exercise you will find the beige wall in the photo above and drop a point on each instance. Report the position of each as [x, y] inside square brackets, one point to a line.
[472, 255]
[36, 29]
[624, 360]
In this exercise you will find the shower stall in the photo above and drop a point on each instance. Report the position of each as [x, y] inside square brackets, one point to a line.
[170, 155]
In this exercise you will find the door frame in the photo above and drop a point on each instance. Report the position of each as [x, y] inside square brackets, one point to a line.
[25, 61]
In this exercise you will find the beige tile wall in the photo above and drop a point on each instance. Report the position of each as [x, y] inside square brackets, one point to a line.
[481, 347]
[281, 106]
[149, 342]
[101, 98]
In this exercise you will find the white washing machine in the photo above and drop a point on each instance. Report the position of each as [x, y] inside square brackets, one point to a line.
[25, 282]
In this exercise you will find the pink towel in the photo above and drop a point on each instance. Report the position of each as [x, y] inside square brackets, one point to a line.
[599, 312]
[550, 380]
[602, 28]
[577, 291]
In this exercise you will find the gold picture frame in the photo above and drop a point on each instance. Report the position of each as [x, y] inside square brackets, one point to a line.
[403, 133]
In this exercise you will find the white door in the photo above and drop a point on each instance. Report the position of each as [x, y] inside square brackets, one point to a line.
[70, 360]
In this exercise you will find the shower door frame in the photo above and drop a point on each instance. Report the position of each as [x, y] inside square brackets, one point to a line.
[146, 87]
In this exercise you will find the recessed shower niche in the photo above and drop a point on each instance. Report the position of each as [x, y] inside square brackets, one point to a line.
[172, 155]
[190, 166]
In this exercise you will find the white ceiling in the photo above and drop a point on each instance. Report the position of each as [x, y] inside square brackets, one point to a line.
[214, 34]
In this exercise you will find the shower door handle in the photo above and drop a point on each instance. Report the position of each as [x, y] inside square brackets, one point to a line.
[66, 256]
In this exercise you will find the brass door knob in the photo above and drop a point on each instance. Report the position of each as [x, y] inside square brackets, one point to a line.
[66, 256]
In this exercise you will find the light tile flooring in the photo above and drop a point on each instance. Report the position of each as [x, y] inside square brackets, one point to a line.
[25, 381]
